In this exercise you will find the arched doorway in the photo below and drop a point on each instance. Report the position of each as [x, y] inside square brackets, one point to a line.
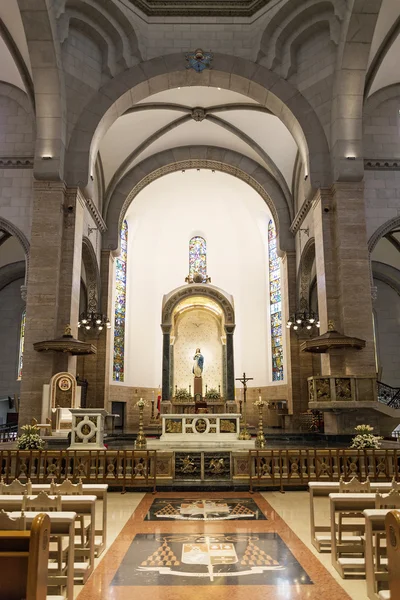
[210, 308]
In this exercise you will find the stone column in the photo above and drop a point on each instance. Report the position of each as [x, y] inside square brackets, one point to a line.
[98, 367]
[230, 365]
[42, 302]
[343, 276]
[296, 366]
[166, 371]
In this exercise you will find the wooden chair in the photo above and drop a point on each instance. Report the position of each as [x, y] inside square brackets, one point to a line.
[15, 487]
[392, 526]
[43, 502]
[351, 546]
[390, 500]
[7, 523]
[395, 484]
[67, 488]
[24, 559]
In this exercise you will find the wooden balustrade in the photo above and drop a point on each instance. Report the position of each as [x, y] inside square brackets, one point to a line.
[24, 559]
[119, 468]
[142, 468]
[285, 468]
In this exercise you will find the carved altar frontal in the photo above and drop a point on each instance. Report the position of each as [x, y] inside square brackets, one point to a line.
[200, 431]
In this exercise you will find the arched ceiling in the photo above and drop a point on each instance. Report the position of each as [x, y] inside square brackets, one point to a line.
[384, 50]
[11, 26]
[232, 121]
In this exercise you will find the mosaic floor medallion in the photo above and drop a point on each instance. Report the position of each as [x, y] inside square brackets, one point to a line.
[215, 558]
[199, 509]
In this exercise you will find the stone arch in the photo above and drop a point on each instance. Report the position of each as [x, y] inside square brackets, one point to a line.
[305, 271]
[17, 233]
[171, 301]
[11, 272]
[380, 96]
[92, 275]
[192, 157]
[49, 90]
[380, 55]
[170, 71]
[348, 91]
[387, 274]
[382, 231]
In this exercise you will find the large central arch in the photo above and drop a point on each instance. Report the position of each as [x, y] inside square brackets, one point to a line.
[198, 157]
[228, 72]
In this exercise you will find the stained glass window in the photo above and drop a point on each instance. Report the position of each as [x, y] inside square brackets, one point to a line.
[198, 258]
[120, 306]
[275, 301]
[21, 345]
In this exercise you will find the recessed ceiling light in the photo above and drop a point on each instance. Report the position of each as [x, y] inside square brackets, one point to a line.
[219, 88]
[179, 88]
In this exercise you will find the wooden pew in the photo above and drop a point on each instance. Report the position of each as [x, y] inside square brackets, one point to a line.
[392, 526]
[24, 558]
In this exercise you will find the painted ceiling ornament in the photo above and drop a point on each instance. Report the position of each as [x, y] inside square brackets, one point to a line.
[198, 114]
[199, 60]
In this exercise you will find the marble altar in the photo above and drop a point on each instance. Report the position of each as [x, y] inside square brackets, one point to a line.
[185, 431]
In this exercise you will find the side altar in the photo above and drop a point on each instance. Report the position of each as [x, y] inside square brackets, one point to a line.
[183, 431]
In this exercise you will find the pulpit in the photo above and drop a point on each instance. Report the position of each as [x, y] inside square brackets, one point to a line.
[87, 432]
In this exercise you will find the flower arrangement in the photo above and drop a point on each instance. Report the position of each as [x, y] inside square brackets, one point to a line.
[212, 394]
[365, 438]
[182, 394]
[30, 438]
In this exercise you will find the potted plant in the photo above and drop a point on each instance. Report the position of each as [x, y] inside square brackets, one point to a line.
[365, 438]
[30, 438]
[182, 394]
[212, 394]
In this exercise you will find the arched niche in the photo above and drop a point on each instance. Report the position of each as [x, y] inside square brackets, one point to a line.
[212, 300]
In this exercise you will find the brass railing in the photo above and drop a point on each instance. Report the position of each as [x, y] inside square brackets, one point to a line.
[118, 468]
[286, 468]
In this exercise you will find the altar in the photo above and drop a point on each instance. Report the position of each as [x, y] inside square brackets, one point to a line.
[184, 431]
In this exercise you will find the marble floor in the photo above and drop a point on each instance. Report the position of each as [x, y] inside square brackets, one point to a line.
[169, 545]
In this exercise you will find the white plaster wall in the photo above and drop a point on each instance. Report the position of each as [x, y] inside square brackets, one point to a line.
[198, 329]
[387, 307]
[163, 217]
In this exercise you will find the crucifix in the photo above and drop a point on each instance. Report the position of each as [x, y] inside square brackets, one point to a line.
[244, 433]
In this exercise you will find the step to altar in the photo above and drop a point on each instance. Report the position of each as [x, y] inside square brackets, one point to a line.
[200, 444]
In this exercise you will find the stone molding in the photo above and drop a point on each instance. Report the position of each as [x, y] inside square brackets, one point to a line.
[94, 211]
[382, 231]
[382, 164]
[200, 8]
[16, 162]
[14, 231]
[172, 300]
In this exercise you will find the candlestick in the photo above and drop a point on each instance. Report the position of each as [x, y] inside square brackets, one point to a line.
[140, 442]
[260, 439]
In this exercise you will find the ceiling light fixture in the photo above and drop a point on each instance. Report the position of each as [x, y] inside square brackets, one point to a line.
[47, 157]
[93, 320]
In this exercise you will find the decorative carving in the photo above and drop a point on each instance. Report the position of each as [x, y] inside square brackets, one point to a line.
[188, 465]
[227, 426]
[200, 425]
[16, 162]
[199, 60]
[172, 426]
[323, 390]
[343, 389]
[198, 114]
[217, 466]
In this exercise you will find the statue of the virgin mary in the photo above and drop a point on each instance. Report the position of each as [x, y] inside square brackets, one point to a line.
[198, 363]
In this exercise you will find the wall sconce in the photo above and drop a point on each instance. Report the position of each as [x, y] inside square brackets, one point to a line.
[47, 157]
[351, 157]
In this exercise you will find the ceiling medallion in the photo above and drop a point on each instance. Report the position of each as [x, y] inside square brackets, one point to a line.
[199, 60]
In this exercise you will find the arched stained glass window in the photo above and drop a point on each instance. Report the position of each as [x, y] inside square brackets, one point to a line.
[120, 306]
[21, 345]
[275, 301]
[198, 258]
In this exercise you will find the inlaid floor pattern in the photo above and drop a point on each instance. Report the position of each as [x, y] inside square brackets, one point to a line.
[227, 545]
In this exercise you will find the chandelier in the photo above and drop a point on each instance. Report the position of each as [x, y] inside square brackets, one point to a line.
[303, 320]
[93, 320]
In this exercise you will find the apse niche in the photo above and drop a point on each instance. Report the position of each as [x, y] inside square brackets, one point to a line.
[233, 220]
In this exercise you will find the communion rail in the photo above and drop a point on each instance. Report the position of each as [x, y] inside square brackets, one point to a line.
[117, 468]
[291, 468]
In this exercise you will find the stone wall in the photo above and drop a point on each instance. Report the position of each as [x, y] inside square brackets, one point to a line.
[387, 310]
[11, 308]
